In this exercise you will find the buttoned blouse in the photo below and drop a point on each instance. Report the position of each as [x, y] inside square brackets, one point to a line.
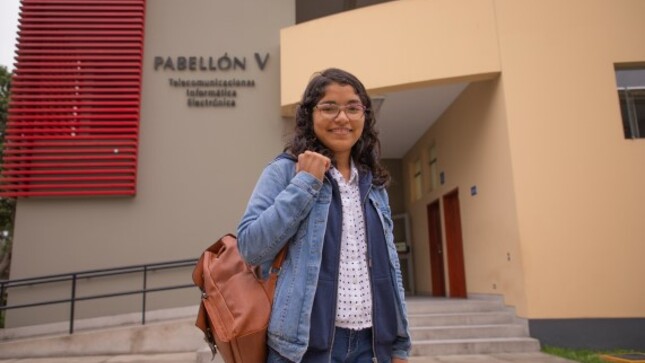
[354, 297]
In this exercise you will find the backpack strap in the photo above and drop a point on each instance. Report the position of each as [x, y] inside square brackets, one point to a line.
[272, 280]
[279, 259]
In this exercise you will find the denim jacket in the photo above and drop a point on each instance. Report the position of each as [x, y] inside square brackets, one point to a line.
[293, 207]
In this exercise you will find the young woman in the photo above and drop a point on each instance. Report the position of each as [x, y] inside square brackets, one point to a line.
[339, 297]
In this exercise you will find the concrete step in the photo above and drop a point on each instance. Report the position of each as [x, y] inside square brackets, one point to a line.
[436, 305]
[468, 331]
[438, 327]
[480, 325]
[98, 323]
[474, 346]
[449, 319]
[172, 336]
[535, 357]
[129, 358]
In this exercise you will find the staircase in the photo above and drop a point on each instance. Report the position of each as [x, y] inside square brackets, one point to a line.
[478, 325]
[438, 326]
[170, 331]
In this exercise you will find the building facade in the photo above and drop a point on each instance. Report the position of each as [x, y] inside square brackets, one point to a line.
[500, 119]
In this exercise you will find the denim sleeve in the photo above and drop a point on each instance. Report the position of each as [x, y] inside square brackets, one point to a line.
[401, 348]
[402, 344]
[275, 210]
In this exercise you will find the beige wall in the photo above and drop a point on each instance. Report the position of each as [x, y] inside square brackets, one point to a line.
[560, 189]
[393, 46]
[471, 141]
[579, 183]
[197, 166]
[396, 188]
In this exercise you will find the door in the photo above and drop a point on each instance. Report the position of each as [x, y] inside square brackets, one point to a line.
[454, 245]
[436, 250]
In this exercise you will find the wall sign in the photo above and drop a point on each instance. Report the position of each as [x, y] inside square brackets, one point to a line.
[215, 90]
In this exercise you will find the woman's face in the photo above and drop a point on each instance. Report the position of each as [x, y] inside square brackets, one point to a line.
[341, 132]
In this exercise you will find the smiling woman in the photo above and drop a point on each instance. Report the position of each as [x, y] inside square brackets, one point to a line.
[337, 87]
[338, 123]
[325, 199]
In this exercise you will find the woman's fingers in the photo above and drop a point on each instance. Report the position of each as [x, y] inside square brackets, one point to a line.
[313, 163]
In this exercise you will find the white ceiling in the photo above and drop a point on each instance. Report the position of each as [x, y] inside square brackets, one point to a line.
[406, 115]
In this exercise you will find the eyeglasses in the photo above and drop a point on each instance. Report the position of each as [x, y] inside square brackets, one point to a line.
[354, 111]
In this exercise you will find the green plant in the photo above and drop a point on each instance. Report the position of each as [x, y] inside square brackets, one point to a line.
[7, 205]
[581, 355]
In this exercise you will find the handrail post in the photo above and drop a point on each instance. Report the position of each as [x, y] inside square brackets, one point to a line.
[72, 303]
[145, 279]
[2, 302]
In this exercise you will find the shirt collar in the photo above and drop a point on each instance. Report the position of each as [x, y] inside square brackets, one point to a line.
[353, 176]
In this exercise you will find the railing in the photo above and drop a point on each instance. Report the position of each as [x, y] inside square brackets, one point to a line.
[76, 276]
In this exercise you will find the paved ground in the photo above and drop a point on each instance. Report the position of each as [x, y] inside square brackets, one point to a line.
[148, 358]
[492, 358]
[190, 358]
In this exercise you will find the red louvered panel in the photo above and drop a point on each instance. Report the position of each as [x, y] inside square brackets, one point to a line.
[61, 119]
[53, 174]
[74, 179]
[69, 151]
[57, 27]
[17, 125]
[73, 126]
[19, 90]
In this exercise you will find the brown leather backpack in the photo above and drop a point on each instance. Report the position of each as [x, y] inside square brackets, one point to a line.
[236, 302]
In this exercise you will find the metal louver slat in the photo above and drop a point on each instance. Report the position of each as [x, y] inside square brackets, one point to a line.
[73, 126]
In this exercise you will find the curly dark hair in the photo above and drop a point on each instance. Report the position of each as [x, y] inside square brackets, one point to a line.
[366, 153]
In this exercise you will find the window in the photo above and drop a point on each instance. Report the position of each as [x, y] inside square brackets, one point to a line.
[434, 171]
[631, 95]
[309, 10]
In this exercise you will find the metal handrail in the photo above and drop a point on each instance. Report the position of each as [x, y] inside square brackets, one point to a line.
[75, 276]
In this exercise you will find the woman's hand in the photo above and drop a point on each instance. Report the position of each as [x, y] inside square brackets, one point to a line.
[399, 360]
[313, 163]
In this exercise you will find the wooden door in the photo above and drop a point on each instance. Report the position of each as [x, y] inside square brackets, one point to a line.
[454, 245]
[438, 277]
